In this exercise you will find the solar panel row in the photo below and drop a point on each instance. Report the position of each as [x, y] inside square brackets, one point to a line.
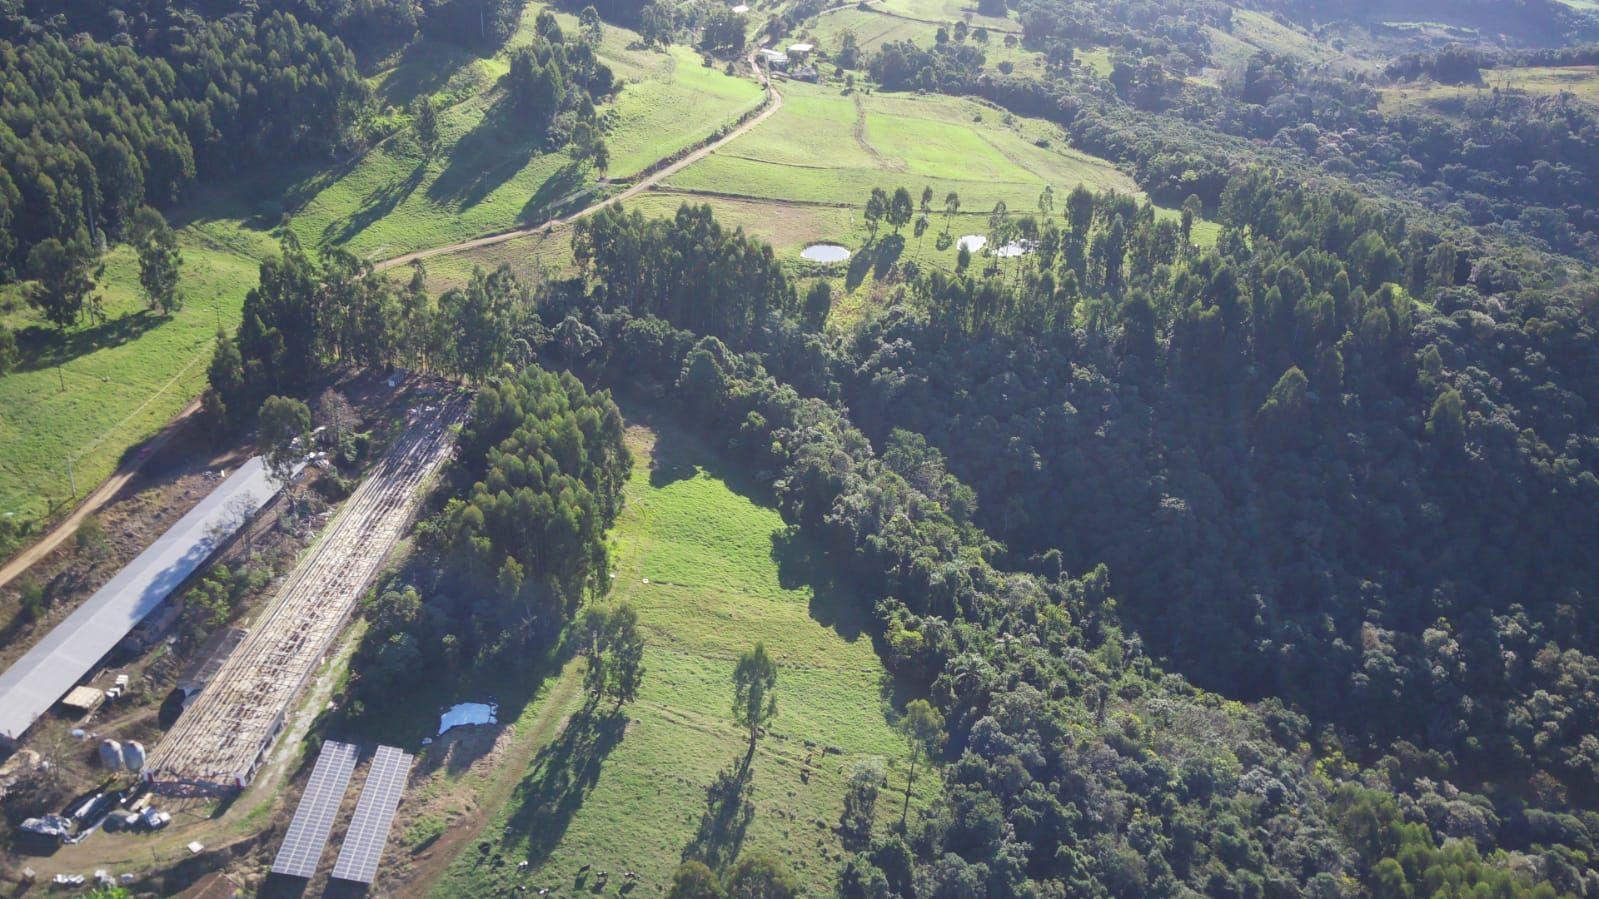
[313, 820]
[374, 816]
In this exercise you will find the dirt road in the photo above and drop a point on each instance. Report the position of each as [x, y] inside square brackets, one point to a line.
[774, 102]
[92, 503]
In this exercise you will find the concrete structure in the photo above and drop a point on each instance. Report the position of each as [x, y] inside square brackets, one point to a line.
[31, 686]
[219, 741]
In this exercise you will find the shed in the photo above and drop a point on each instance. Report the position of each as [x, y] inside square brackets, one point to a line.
[773, 58]
[801, 50]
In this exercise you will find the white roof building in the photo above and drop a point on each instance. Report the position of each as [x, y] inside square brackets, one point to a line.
[37, 680]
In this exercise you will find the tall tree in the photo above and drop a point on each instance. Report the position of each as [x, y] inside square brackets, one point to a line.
[754, 701]
[159, 260]
[425, 125]
[64, 276]
[923, 730]
[900, 209]
[283, 434]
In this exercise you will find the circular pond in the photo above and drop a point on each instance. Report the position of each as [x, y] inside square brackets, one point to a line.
[825, 252]
[972, 243]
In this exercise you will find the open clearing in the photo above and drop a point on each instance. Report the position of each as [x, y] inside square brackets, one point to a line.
[87, 398]
[1581, 82]
[625, 790]
[489, 176]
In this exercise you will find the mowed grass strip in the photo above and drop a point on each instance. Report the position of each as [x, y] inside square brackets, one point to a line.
[711, 571]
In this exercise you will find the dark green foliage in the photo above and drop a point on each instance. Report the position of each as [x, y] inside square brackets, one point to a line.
[63, 281]
[760, 875]
[754, 691]
[723, 31]
[1077, 759]
[614, 648]
[92, 131]
[160, 262]
[308, 316]
[284, 434]
[537, 481]
[549, 465]
[692, 880]
[688, 270]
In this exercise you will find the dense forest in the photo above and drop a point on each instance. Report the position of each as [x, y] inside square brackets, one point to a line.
[1343, 497]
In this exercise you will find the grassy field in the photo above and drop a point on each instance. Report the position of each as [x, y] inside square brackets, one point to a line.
[489, 175]
[828, 147]
[126, 377]
[1581, 82]
[710, 570]
[83, 399]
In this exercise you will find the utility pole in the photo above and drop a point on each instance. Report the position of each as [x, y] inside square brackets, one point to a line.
[61, 377]
[72, 478]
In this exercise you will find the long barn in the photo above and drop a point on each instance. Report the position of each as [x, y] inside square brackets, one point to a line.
[72, 648]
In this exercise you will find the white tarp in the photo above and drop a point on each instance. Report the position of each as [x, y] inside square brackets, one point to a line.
[31, 686]
[468, 713]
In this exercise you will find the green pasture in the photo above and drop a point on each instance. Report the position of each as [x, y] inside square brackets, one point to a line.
[711, 569]
[78, 401]
[127, 376]
[1581, 82]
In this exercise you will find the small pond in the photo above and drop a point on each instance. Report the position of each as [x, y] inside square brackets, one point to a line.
[972, 243]
[1019, 248]
[825, 252]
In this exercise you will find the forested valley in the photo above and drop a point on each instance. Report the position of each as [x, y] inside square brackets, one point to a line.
[1229, 531]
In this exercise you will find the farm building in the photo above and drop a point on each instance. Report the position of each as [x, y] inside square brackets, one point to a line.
[71, 650]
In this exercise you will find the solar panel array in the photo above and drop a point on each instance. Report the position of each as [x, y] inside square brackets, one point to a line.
[313, 820]
[374, 815]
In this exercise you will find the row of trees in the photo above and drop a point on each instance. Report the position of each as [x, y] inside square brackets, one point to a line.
[309, 315]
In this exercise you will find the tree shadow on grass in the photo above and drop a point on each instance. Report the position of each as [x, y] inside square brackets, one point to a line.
[563, 774]
[487, 157]
[557, 195]
[878, 258]
[377, 205]
[833, 604]
[43, 347]
[729, 809]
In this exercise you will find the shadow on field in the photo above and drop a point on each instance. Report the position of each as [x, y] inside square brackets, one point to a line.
[877, 257]
[487, 157]
[546, 201]
[45, 347]
[377, 205]
[425, 68]
[833, 604]
[729, 809]
[563, 774]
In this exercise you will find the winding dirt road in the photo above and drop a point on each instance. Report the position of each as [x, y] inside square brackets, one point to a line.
[774, 102]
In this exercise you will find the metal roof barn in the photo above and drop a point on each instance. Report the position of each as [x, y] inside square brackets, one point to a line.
[37, 680]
